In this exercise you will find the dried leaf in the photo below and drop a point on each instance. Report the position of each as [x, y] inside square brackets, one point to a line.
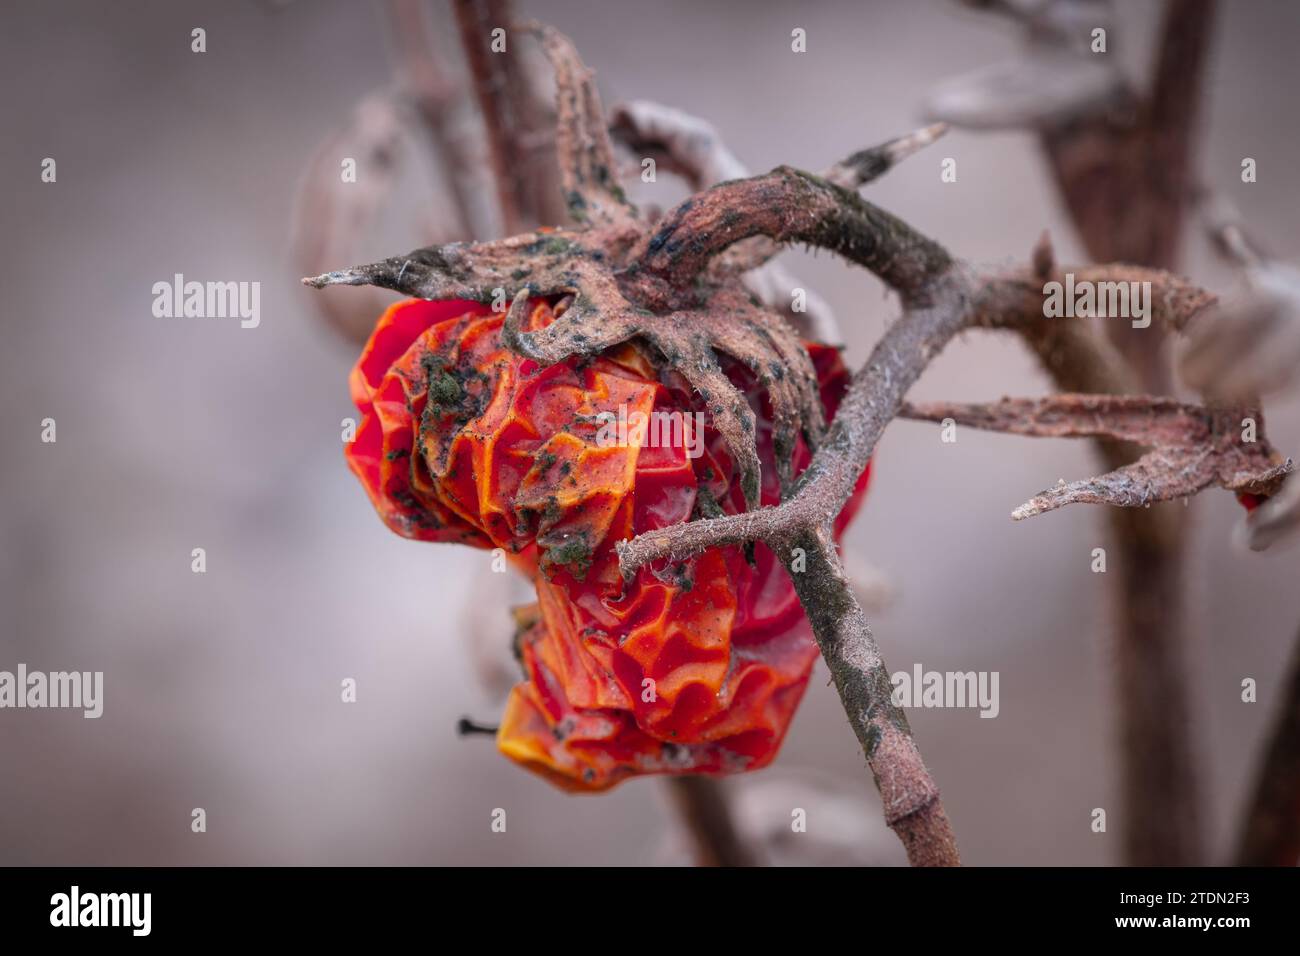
[1045, 87]
[1192, 447]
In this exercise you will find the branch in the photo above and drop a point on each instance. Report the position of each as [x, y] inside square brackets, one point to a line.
[1121, 163]
[1159, 787]
[1015, 301]
[702, 804]
[530, 96]
[957, 301]
[423, 77]
[912, 805]
[1192, 447]
[1175, 100]
[798, 532]
[856, 171]
[1271, 831]
[871, 402]
[691, 148]
[678, 142]
[474, 18]
[788, 205]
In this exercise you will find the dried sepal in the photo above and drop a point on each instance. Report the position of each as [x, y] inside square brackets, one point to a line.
[852, 173]
[586, 158]
[692, 148]
[1192, 446]
[624, 280]
[689, 342]
[545, 261]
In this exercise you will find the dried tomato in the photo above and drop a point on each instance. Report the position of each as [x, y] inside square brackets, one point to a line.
[693, 668]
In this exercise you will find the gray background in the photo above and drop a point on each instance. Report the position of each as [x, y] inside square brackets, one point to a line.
[223, 688]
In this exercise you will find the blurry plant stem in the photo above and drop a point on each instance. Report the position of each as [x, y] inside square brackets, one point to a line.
[705, 811]
[477, 20]
[434, 95]
[1271, 832]
[1159, 789]
[518, 116]
[1128, 187]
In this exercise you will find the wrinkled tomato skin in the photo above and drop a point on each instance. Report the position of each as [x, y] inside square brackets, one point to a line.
[695, 668]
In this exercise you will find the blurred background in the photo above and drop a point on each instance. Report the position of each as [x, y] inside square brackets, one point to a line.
[222, 689]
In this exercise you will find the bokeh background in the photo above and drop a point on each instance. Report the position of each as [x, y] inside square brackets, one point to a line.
[222, 689]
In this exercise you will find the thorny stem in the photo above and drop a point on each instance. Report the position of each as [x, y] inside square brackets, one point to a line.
[789, 205]
[1271, 834]
[532, 129]
[909, 795]
[852, 173]
[871, 402]
[798, 532]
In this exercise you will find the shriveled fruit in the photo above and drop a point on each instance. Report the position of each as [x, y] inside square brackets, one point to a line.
[693, 668]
